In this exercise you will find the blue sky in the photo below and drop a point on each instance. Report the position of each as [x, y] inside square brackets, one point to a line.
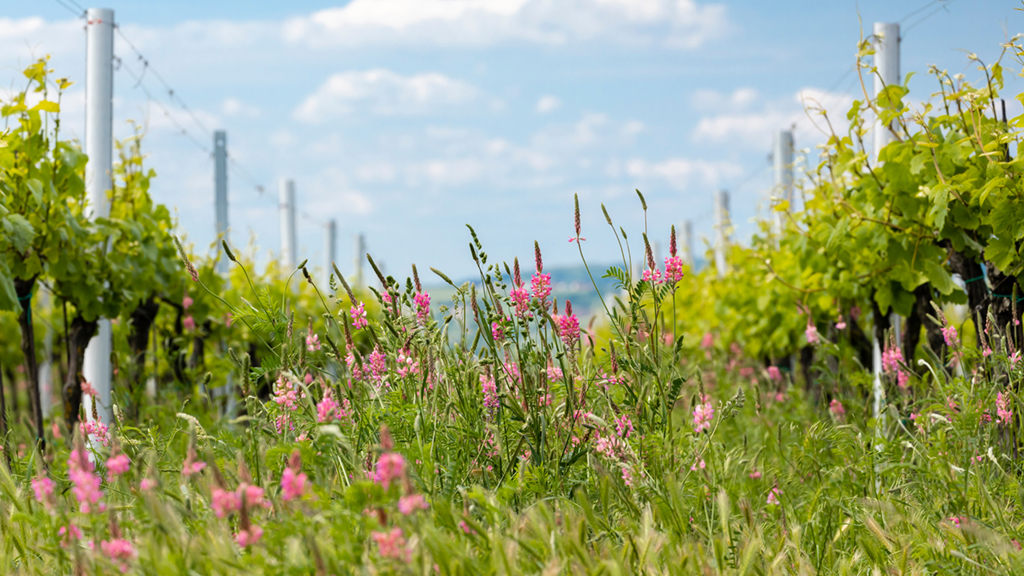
[406, 119]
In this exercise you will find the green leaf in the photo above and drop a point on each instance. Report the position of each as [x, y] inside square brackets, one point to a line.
[940, 279]
[47, 106]
[19, 232]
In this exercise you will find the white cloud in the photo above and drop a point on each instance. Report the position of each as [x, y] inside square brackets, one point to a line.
[672, 23]
[384, 92]
[236, 107]
[684, 173]
[548, 104]
[754, 128]
[713, 100]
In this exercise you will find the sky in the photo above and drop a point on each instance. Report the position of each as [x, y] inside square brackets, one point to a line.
[405, 120]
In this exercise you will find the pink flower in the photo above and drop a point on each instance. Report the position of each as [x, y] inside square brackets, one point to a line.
[95, 429]
[287, 393]
[377, 364]
[892, 358]
[986, 352]
[490, 391]
[147, 484]
[950, 336]
[568, 327]
[313, 342]
[246, 538]
[88, 389]
[465, 527]
[116, 466]
[390, 467]
[422, 300]
[87, 485]
[627, 476]
[43, 487]
[191, 465]
[903, 379]
[293, 481]
[497, 332]
[118, 550]
[541, 286]
[755, 475]
[652, 276]
[811, 333]
[224, 502]
[392, 545]
[228, 319]
[1003, 409]
[773, 497]
[841, 324]
[520, 300]
[189, 323]
[328, 409]
[624, 426]
[673, 269]
[774, 374]
[708, 341]
[410, 504]
[186, 302]
[358, 312]
[703, 413]
[698, 465]
[955, 520]
[69, 534]
[836, 407]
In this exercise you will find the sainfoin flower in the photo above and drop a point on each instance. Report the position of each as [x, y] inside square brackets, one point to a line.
[249, 536]
[422, 300]
[117, 465]
[377, 365]
[189, 323]
[568, 327]
[1003, 409]
[96, 430]
[950, 336]
[392, 544]
[774, 374]
[224, 502]
[119, 550]
[836, 407]
[410, 504]
[43, 487]
[673, 269]
[358, 313]
[87, 484]
[811, 333]
[490, 391]
[773, 497]
[541, 285]
[293, 481]
[703, 413]
[390, 467]
[312, 342]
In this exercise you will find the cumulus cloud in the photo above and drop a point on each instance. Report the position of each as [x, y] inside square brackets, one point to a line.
[754, 127]
[548, 103]
[684, 173]
[236, 107]
[385, 93]
[672, 23]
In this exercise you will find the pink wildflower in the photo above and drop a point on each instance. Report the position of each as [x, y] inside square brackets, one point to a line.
[224, 502]
[313, 342]
[490, 391]
[708, 341]
[950, 336]
[837, 407]
[43, 487]
[87, 484]
[541, 287]
[698, 466]
[69, 534]
[422, 300]
[773, 496]
[95, 429]
[287, 393]
[811, 333]
[568, 327]
[377, 364]
[703, 413]
[755, 475]
[118, 550]
[986, 352]
[624, 426]
[248, 537]
[390, 467]
[774, 374]
[1003, 409]
[358, 313]
[892, 358]
[293, 481]
[410, 504]
[627, 476]
[392, 545]
[87, 388]
[147, 484]
[189, 323]
[407, 366]
[186, 302]
[652, 276]
[673, 269]
[497, 332]
[903, 379]
[841, 324]
[116, 466]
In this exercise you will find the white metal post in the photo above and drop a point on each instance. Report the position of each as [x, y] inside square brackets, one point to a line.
[99, 146]
[688, 243]
[220, 186]
[330, 240]
[357, 261]
[46, 366]
[887, 63]
[286, 191]
[722, 229]
[783, 158]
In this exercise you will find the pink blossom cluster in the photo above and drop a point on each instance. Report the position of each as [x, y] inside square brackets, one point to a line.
[43, 487]
[568, 327]
[490, 391]
[497, 332]
[358, 313]
[1003, 409]
[892, 363]
[192, 464]
[248, 536]
[836, 407]
[186, 302]
[950, 336]
[287, 393]
[411, 503]
[812, 333]
[225, 502]
[97, 430]
[703, 414]
[652, 275]
[773, 374]
[390, 467]
[69, 534]
[554, 374]
[406, 365]
[773, 496]
[673, 269]
[540, 284]
[189, 323]
[624, 426]
[119, 550]
[293, 480]
[422, 300]
[392, 544]
[610, 446]
[521, 301]
[87, 484]
[328, 408]
[117, 465]
[353, 365]
[377, 366]
[312, 342]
